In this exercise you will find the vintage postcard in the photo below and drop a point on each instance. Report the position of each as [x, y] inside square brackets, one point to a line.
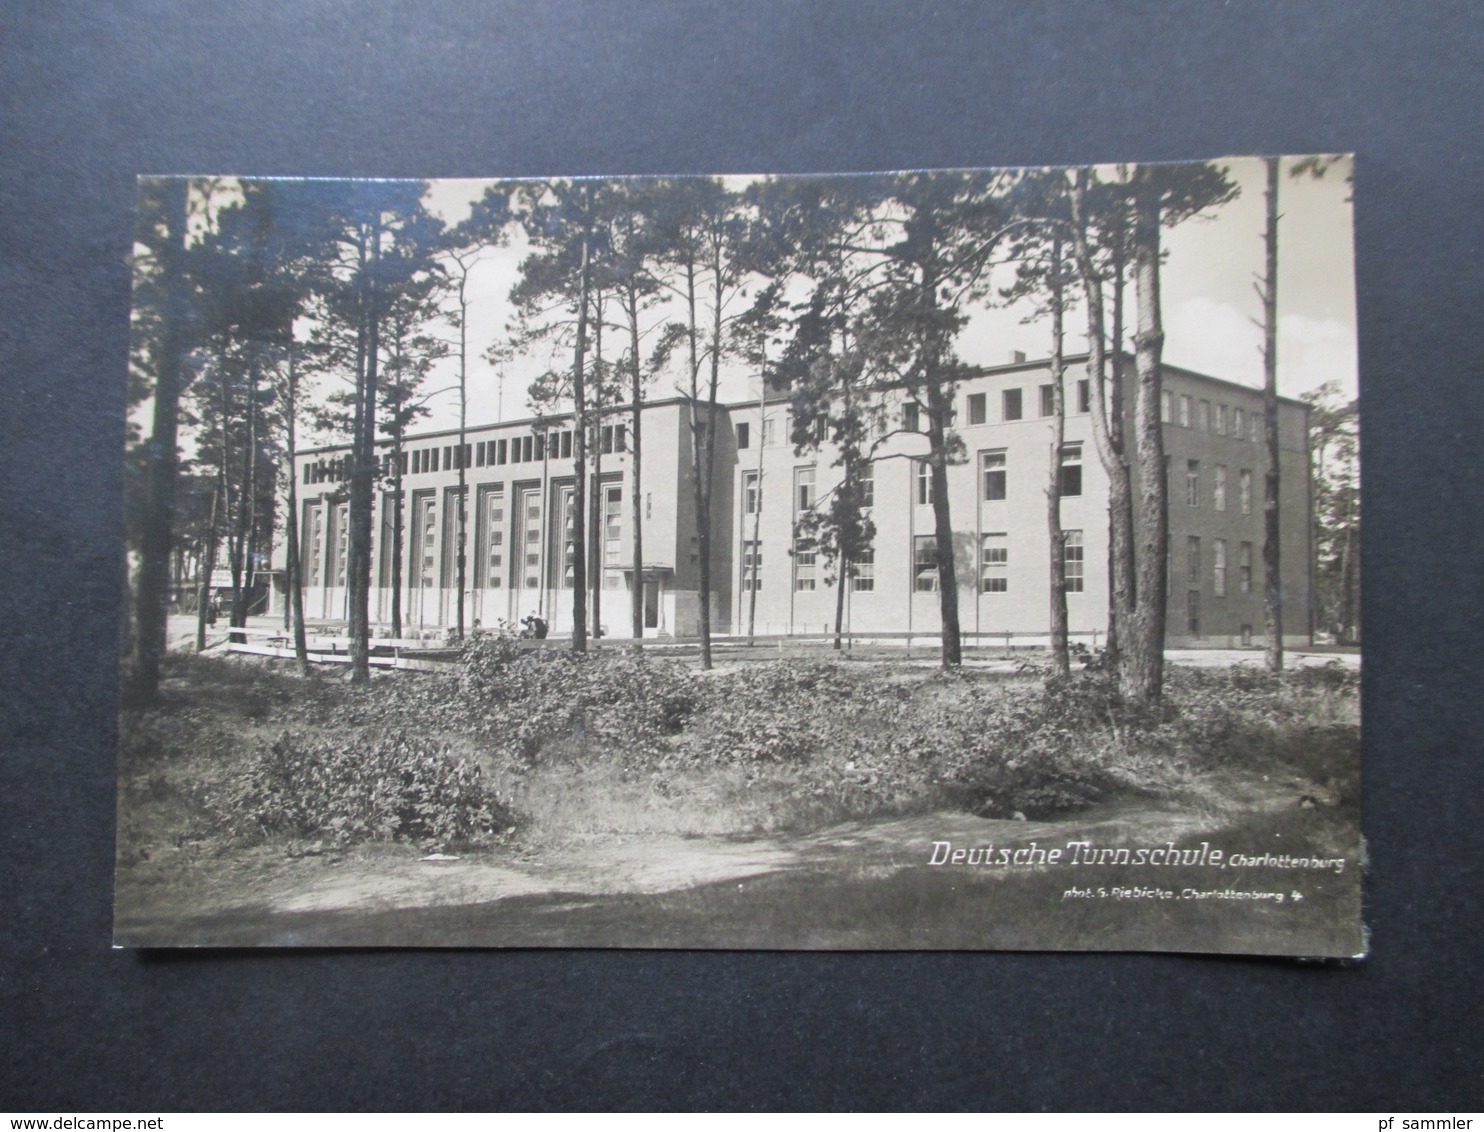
[961, 559]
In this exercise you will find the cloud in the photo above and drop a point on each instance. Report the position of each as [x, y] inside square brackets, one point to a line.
[1216, 338]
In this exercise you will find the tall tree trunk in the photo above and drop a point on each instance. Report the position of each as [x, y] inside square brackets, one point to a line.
[294, 575]
[757, 513]
[940, 415]
[462, 535]
[636, 501]
[579, 489]
[363, 471]
[1272, 572]
[703, 527]
[398, 520]
[1061, 658]
[1141, 674]
[207, 568]
[596, 510]
[698, 491]
[152, 593]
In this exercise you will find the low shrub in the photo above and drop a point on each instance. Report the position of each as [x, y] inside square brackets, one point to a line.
[395, 788]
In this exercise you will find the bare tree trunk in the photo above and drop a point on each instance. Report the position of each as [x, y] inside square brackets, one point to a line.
[462, 537]
[598, 506]
[151, 613]
[636, 501]
[397, 536]
[704, 492]
[940, 416]
[1141, 672]
[362, 485]
[697, 433]
[757, 513]
[1272, 572]
[294, 576]
[579, 490]
[1061, 659]
[208, 567]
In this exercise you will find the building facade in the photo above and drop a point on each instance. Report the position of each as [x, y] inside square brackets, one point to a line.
[518, 519]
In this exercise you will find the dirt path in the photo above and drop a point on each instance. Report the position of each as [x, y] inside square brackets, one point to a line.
[867, 883]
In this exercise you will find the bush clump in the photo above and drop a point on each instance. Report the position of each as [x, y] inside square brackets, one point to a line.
[395, 788]
[529, 702]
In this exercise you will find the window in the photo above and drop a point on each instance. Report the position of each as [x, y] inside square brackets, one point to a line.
[1071, 470]
[912, 416]
[1011, 405]
[1167, 406]
[744, 435]
[569, 539]
[433, 453]
[1220, 420]
[1239, 423]
[612, 439]
[994, 564]
[1244, 568]
[1185, 410]
[804, 488]
[768, 432]
[1193, 612]
[1218, 487]
[993, 465]
[1203, 416]
[314, 545]
[925, 564]
[448, 458]
[976, 408]
[1218, 567]
[1193, 559]
[752, 565]
[612, 535]
[504, 452]
[425, 541]
[1084, 396]
[866, 477]
[494, 538]
[864, 569]
[1192, 483]
[342, 542]
[924, 483]
[1244, 490]
[1048, 400]
[532, 539]
[752, 496]
[804, 565]
[528, 449]
[1074, 561]
[563, 445]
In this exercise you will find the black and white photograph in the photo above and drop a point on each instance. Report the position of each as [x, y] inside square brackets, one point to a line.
[925, 560]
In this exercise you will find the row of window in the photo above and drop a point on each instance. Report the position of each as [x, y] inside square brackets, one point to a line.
[992, 468]
[1193, 575]
[1188, 412]
[1193, 493]
[485, 453]
[994, 565]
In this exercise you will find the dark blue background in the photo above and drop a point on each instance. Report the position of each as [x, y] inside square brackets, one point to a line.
[92, 94]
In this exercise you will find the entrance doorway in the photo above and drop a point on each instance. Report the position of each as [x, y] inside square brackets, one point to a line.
[651, 605]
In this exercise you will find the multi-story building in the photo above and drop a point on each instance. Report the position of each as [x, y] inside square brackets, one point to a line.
[519, 490]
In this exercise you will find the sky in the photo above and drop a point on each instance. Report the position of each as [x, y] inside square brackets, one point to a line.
[1211, 311]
